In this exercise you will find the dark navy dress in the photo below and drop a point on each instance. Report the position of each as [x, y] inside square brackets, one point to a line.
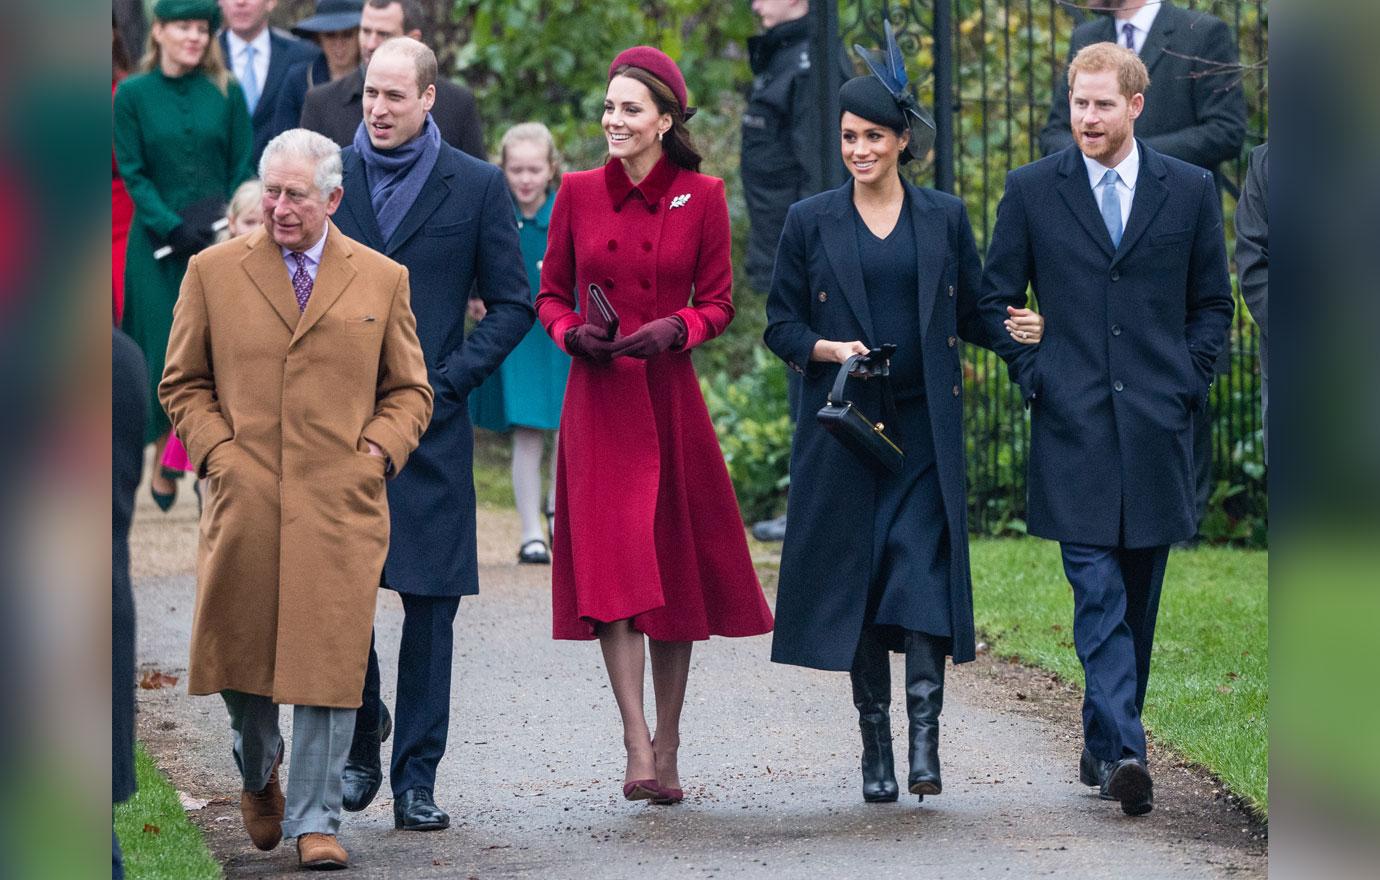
[910, 576]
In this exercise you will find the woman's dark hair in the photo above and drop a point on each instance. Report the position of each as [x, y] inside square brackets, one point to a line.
[676, 142]
[119, 56]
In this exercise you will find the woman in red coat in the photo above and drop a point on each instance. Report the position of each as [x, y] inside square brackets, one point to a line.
[649, 541]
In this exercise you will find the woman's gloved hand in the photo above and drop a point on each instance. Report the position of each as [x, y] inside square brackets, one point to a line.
[652, 338]
[185, 241]
[592, 343]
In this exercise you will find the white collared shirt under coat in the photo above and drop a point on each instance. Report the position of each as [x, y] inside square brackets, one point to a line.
[1127, 170]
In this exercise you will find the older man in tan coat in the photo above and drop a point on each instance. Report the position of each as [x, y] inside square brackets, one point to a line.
[295, 380]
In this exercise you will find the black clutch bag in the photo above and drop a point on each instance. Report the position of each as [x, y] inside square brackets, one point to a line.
[864, 437]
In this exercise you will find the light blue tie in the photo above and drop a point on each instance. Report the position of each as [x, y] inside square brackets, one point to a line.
[250, 81]
[1111, 206]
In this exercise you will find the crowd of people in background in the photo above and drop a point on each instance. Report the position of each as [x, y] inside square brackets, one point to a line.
[310, 215]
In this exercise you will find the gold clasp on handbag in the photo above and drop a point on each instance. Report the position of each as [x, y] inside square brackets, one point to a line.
[879, 427]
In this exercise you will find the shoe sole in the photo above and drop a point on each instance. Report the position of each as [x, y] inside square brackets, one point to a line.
[926, 787]
[421, 826]
[881, 798]
[1130, 784]
[325, 865]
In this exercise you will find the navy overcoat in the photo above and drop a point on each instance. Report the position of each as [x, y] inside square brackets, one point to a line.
[1131, 334]
[460, 235]
[817, 293]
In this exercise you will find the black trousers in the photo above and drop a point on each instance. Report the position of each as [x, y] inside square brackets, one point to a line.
[1116, 599]
[421, 716]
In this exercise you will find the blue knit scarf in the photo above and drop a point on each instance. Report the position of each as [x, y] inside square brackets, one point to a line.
[396, 177]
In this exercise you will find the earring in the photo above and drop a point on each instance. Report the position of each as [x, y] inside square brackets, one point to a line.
[660, 135]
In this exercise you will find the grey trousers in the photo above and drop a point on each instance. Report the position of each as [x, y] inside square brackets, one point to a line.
[320, 743]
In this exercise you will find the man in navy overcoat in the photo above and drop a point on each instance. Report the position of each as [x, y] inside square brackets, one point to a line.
[1124, 249]
[448, 218]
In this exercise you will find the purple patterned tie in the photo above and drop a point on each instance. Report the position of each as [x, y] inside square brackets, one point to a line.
[1129, 31]
[301, 281]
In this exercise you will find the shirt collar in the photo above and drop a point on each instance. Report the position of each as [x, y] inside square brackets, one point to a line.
[1142, 19]
[313, 253]
[1127, 170]
[541, 219]
[260, 44]
[651, 189]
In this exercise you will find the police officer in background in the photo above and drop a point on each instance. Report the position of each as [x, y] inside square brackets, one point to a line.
[781, 156]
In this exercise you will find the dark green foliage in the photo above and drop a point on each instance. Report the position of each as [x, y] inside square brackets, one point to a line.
[750, 415]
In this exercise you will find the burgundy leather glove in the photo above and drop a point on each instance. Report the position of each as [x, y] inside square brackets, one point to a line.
[651, 338]
[590, 342]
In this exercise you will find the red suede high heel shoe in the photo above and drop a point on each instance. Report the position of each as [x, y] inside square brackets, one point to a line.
[641, 790]
[667, 796]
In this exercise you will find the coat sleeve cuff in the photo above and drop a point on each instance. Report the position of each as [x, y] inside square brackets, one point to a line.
[696, 328]
[385, 437]
[562, 326]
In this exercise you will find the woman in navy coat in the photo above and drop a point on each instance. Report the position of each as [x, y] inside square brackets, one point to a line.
[876, 561]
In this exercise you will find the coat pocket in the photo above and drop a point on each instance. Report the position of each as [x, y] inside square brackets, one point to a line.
[442, 230]
[1167, 238]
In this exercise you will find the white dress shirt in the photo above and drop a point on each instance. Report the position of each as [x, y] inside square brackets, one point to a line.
[1127, 172]
[313, 255]
[261, 46]
[1140, 25]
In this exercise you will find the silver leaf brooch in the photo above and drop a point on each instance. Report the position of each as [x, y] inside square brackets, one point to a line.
[680, 200]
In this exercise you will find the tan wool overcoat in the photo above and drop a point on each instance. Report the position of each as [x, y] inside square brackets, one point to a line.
[274, 407]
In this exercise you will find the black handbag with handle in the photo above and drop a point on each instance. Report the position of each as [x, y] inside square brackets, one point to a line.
[864, 437]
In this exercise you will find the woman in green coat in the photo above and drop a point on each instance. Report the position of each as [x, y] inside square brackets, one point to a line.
[182, 144]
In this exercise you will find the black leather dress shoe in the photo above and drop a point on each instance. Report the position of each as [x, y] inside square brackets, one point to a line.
[363, 769]
[1129, 782]
[1093, 771]
[414, 810]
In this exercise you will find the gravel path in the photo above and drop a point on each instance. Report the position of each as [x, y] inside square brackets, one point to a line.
[769, 760]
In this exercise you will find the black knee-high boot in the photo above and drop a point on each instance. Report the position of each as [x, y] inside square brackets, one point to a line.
[924, 700]
[871, 677]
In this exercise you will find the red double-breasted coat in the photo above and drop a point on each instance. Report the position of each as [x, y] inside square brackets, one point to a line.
[647, 526]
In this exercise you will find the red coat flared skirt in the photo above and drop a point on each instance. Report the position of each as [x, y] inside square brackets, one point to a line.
[647, 526]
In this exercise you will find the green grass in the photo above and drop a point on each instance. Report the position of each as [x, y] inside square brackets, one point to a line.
[1209, 684]
[176, 849]
[493, 469]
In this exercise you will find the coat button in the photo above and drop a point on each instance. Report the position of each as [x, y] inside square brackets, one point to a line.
[441, 369]
[823, 296]
[646, 285]
[1116, 329]
[951, 290]
[647, 246]
[1116, 276]
[1117, 385]
[613, 245]
[957, 390]
[953, 340]
[608, 284]
[519, 224]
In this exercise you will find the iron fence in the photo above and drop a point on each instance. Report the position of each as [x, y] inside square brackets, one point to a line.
[995, 63]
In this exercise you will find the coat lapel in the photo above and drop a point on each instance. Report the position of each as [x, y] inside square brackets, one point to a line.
[1158, 39]
[356, 201]
[840, 240]
[1150, 195]
[332, 277]
[265, 267]
[929, 260]
[277, 66]
[1078, 195]
[434, 192]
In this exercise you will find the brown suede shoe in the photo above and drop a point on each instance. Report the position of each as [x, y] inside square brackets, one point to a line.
[321, 852]
[263, 811]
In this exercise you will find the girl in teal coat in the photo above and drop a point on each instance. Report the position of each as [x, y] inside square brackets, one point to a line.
[525, 394]
[182, 144]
